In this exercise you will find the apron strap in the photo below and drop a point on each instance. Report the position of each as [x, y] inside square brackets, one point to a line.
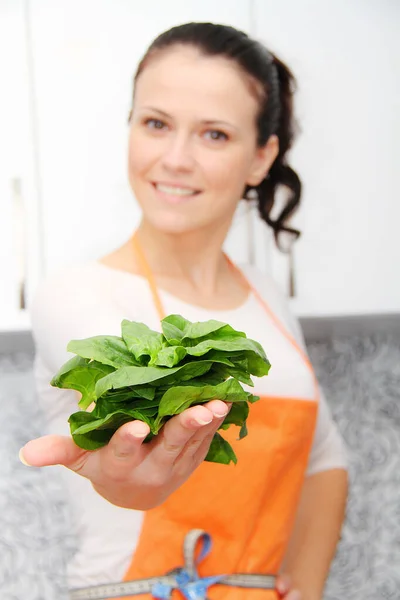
[276, 322]
[148, 273]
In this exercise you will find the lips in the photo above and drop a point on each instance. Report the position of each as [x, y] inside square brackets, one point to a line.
[174, 193]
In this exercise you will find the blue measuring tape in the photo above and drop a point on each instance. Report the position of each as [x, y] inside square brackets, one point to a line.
[191, 586]
[191, 590]
[184, 579]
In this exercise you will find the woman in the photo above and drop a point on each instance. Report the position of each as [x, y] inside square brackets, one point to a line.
[211, 119]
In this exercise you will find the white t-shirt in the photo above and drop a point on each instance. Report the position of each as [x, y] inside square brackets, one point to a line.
[93, 299]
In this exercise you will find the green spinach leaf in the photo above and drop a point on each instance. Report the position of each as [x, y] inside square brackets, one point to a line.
[107, 349]
[179, 398]
[221, 451]
[129, 376]
[153, 376]
[144, 343]
[82, 375]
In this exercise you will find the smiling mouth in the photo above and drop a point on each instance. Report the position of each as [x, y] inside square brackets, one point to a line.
[175, 193]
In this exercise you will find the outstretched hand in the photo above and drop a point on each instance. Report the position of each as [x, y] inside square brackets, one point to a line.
[129, 473]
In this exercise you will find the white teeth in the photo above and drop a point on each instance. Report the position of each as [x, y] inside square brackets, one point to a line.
[176, 191]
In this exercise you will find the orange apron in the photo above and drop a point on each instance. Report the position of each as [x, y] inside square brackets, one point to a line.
[249, 509]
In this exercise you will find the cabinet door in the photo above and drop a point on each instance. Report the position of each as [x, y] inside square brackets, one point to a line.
[19, 239]
[84, 56]
[346, 57]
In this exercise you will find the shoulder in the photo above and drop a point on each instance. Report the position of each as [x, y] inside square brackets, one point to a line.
[77, 284]
[73, 303]
[264, 283]
[85, 299]
[74, 294]
[268, 289]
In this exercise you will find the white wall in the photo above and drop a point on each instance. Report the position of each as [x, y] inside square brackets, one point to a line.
[346, 56]
[19, 199]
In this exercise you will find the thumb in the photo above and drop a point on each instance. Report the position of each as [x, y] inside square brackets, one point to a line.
[52, 450]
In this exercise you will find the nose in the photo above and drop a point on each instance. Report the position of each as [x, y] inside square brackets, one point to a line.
[178, 154]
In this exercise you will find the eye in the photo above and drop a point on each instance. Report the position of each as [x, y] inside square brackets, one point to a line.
[216, 135]
[154, 124]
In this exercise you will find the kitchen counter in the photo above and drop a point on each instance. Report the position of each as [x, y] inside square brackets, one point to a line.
[315, 329]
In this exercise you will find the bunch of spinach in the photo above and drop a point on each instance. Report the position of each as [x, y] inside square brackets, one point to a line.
[153, 376]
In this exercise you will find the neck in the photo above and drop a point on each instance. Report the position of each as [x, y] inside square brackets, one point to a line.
[195, 257]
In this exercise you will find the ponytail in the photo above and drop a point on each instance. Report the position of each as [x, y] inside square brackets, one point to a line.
[283, 86]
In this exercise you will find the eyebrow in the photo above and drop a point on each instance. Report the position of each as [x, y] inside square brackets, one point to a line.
[204, 121]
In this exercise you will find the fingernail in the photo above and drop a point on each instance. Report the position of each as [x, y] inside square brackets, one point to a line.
[139, 434]
[220, 412]
[202, 421]
[294, 595]
[140, 431]
[22, 458]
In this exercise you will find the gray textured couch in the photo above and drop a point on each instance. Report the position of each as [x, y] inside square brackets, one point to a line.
[361, 377]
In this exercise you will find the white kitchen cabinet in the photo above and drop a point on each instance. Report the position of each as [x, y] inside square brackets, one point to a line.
[84, 57]
[19, 216]
[346, 57]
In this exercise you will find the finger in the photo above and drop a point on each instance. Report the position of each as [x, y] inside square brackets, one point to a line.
[124, 451]
[190, 427]
[219, 408]
[293, 595]
[283, 583]
[52, 450]
[199, 455]
[177, 432]
[197, 447]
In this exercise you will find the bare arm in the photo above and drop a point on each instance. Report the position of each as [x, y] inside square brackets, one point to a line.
[316, 532]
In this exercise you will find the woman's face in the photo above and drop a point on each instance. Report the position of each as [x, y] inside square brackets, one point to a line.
[192, 146]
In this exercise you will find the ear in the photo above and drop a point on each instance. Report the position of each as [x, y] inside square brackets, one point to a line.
[263, 160]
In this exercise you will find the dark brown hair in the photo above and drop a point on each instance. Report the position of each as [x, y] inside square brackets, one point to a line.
[276, 104]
